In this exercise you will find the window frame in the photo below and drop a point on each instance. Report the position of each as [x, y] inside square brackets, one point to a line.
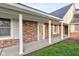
[76, 25]
[7, 27]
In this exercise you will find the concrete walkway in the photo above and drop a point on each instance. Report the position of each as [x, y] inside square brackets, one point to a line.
[28, 47]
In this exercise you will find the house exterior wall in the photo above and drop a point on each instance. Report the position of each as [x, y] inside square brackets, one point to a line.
[58, 30]
[8, 43]
[13, 38]
[40, 31]
[69, 15]
[15, 29]
[29, 31]
[53, 33]
[73, 32]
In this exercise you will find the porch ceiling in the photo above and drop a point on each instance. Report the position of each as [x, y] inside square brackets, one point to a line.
[8, 13]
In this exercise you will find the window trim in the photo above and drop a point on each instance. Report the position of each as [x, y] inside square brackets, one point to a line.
[75, 28]
[8, 36]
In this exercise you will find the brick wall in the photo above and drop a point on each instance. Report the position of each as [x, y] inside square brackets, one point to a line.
[29, 31]
[7, 43]
[29, 34]
[74, 34]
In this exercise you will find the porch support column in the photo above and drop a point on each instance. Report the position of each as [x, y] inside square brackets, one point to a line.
[43, 31]
[49, 31]
[38, 31]
[20, 34]
[62, 33]
[68, 30]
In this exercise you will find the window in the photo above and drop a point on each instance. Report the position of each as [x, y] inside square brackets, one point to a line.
[4, 27]
[76, 27]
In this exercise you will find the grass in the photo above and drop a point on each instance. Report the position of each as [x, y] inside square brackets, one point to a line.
[65, 48]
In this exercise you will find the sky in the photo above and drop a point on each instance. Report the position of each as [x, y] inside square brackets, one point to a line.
[49, 7]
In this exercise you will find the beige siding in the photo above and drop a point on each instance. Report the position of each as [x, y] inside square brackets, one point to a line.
[15, 29]
[41, 31]
[72, 28]
[69, 15]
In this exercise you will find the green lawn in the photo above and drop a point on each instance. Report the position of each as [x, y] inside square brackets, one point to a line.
[65, 48]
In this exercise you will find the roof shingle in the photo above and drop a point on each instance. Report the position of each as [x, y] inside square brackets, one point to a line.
[61, 12]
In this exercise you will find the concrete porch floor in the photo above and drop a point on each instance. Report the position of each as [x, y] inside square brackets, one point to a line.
[28, 47]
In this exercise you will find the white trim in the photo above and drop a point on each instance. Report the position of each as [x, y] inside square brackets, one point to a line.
[11, 32]
[49, 31]
[43, 31]
[7, 37]
[75, 29]
[12, 28]
[6, 27]
[18, 7]
[24, 9]
[20, 34]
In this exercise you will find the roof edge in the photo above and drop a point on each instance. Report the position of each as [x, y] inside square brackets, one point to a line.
[38, 10]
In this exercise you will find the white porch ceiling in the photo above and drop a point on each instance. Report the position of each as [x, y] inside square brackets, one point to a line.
[8, 13]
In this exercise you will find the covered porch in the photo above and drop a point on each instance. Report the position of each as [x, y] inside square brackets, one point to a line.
[28, 32]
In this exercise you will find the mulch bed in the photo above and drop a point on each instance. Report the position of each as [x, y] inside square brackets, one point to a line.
[71, 40]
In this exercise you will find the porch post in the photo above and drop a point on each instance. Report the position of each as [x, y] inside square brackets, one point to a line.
[49, 31]
[62, 33]
[43, 31]
[68, 30]
[38, 31]
[20, 34]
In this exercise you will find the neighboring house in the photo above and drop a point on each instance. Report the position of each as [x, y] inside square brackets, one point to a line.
[23, 24]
